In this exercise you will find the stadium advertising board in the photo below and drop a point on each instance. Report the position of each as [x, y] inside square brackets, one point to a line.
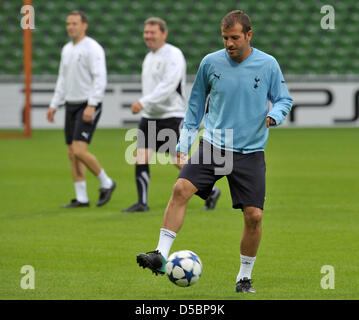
[316, 104]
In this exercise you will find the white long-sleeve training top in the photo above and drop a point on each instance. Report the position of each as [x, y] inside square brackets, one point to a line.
[82, 74]
[163, 83]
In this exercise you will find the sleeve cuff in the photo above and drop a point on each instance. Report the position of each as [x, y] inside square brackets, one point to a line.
[276, 118]
[186, 140]
[143, 102]
[182, 149]
[92, 102]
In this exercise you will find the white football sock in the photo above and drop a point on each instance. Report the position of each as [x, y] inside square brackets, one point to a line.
[81, 192]
[245, 270]
[104, 179]
[165, 242]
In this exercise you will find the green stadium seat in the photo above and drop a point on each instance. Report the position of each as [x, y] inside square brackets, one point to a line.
[289, 30]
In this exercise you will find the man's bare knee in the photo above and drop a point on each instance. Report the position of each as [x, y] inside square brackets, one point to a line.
[253, 216]
[78, 153]
[183, 190]
[70, 153]
[143, 156]
[79, 150]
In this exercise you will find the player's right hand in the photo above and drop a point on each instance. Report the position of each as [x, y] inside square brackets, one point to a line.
[50, 114]
[270, 122]
[136, 107]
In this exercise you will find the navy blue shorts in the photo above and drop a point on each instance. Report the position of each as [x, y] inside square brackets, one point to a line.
[75, 128]
[245, 174]
[160, 135]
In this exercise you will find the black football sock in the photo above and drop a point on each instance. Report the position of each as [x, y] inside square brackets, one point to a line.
[142, 182]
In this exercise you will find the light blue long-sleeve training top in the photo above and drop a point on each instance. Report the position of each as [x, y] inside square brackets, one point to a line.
[235, 118]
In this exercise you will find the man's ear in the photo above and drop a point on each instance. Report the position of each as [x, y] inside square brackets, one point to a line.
[165, 33]
[249, 35]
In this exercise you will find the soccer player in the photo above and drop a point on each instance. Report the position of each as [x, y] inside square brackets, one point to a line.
[81, 87]
[162, 106]
[240, 80]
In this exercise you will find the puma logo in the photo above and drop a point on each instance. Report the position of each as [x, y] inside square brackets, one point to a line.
[85, 134]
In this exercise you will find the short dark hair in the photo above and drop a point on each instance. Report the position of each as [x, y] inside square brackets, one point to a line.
[81, 14]
[237, 16]
[160, 22]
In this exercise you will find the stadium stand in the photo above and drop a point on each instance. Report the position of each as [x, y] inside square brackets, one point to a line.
[289, 30]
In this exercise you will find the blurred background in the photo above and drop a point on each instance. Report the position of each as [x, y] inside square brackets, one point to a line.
[321, 66]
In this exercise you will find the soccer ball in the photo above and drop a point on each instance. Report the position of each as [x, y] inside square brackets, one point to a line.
[184, 268]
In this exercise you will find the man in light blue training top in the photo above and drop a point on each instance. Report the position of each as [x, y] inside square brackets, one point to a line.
[239, 80]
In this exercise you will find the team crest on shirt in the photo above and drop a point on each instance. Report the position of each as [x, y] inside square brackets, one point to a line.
[256, 82]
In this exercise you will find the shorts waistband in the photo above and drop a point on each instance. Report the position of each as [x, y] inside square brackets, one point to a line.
[76, 102]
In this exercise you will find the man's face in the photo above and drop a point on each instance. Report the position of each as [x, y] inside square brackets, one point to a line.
[236, 42]
[75, 28]
[153, 36]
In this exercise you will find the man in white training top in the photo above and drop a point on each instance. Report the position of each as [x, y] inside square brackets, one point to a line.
[163, 106]
[81, 87]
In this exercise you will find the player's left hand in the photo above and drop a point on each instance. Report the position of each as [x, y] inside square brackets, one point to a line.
[270, 122]
[88, 114]
[136, 107]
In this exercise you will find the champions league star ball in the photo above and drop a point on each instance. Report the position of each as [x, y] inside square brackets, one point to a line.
[184, 268]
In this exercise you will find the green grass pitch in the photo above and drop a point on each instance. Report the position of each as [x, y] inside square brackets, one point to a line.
[310, 220]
